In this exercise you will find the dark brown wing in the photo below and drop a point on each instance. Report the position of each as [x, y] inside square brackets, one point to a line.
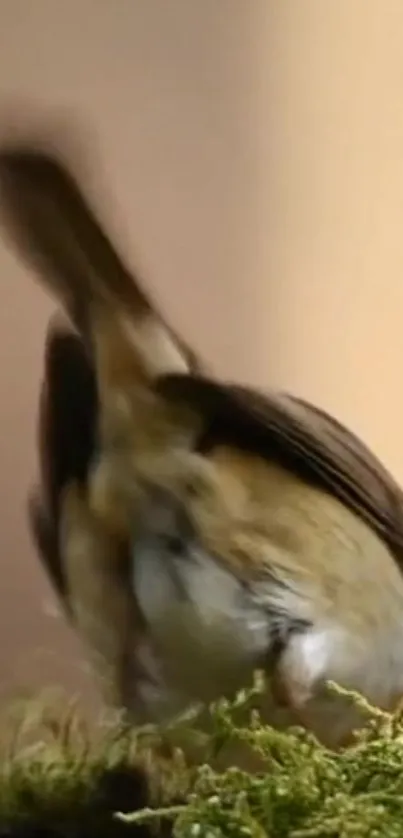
[304, 439]
[67, 428]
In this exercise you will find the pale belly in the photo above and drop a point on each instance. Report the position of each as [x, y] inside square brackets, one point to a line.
[206, 633]
[335, 600]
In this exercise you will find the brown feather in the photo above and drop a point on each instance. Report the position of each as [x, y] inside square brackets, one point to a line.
[301, 437]
[54, 227]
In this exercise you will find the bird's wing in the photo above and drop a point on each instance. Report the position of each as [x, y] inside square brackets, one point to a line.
[67, 440]
[304, 439]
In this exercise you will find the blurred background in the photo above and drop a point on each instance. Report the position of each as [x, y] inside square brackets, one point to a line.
[252, 155]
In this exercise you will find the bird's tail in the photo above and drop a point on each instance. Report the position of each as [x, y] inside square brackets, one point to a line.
[54, 228]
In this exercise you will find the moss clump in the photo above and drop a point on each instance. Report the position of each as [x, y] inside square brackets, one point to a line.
[61, 777]
[65, 784]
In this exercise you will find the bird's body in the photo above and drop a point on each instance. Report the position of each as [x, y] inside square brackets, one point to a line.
[248, 568]
[210, 530]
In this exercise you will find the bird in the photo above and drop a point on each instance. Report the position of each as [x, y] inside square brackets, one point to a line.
[195, 529]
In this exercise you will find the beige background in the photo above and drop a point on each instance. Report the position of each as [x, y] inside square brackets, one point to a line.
[254, 153]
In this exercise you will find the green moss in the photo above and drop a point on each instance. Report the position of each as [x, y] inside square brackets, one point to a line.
[59, 777]
[66, 783]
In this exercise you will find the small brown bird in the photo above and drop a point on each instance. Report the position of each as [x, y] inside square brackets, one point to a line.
[197, 530]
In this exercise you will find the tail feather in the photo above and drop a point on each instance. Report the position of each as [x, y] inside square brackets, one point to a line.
[57, 232]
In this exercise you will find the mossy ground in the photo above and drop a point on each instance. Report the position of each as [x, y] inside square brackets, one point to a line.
[66, 782]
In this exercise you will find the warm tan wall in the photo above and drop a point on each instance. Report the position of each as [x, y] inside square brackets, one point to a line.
[254, 150]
